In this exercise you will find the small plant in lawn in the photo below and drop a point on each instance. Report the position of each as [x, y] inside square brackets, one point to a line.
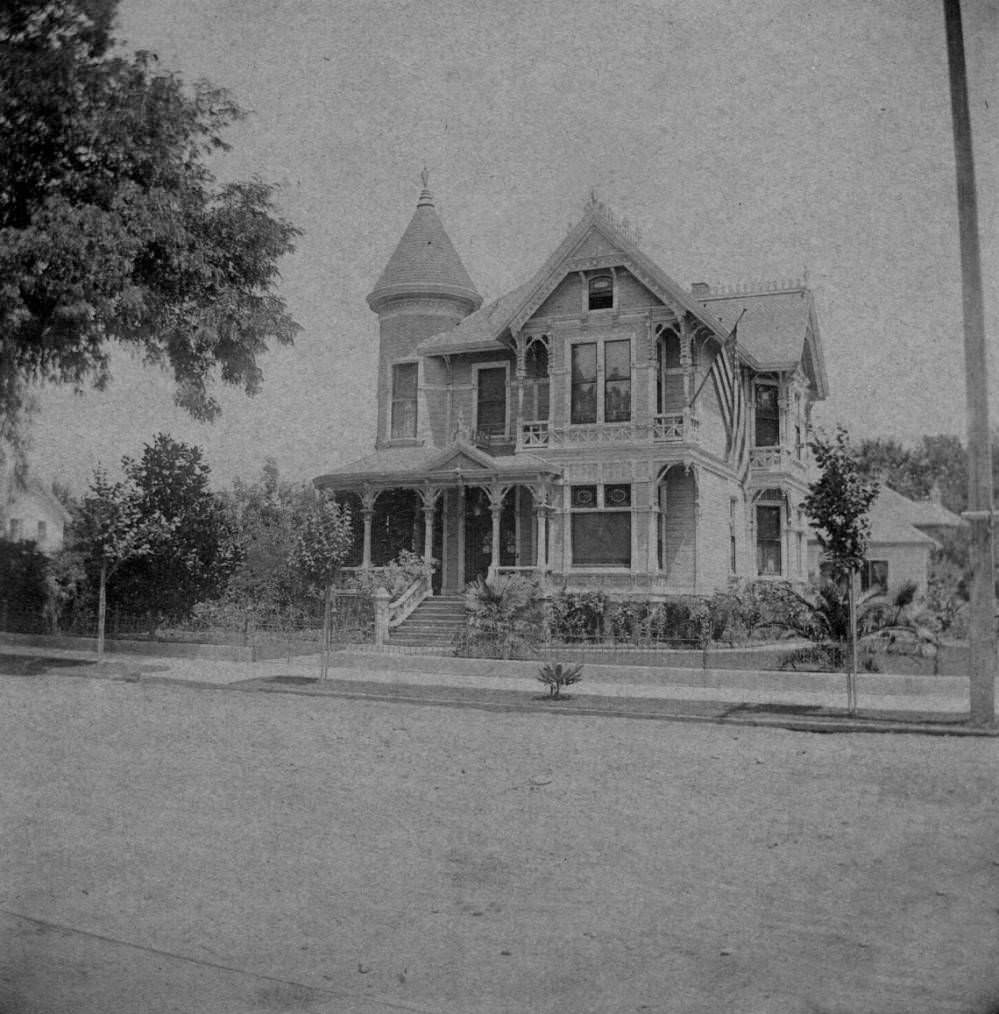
[557, 676]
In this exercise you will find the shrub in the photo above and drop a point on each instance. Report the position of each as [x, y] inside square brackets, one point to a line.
[557, 676]
[578, 616]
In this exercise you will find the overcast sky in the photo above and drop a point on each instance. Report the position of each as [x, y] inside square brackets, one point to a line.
[746, 140]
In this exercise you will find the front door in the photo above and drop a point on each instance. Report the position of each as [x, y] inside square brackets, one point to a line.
[478, 534]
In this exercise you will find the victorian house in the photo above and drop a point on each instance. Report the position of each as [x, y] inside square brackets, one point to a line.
[599, 426]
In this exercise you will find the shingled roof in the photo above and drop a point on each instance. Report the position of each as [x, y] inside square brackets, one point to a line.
[424, 263]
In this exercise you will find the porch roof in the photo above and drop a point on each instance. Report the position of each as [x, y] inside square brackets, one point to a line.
[460, 463]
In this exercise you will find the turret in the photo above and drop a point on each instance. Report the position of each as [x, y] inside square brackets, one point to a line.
[423, 291]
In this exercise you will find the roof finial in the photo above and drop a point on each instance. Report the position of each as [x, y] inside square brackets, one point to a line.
[426, 198]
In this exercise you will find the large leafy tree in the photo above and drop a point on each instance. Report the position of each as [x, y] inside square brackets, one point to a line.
[113, 227]
[197, 558]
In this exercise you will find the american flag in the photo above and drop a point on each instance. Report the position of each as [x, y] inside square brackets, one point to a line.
[728, 386]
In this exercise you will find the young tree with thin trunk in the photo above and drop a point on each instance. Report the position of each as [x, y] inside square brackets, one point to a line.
[837, 504]
[110, 529]
[323, 540]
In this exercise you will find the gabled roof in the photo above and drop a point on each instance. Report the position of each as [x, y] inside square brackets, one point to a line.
[17, 487]
[922, 513]
[777, 331]
[434, 465]
[891, 518]
[483, 329]
[425, 263]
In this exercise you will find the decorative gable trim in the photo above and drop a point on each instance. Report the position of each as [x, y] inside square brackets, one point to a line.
[563, 262]
[460, 454]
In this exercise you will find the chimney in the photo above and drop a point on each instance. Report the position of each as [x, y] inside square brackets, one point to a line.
[700, 290]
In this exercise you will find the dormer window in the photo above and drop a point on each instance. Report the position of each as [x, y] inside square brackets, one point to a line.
[601, 292]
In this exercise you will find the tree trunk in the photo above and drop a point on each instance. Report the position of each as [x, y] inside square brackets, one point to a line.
[102, 608]
[851, 678]
[325, 651]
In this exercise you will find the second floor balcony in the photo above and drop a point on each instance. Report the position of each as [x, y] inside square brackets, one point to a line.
[665, 428]
[778, 458]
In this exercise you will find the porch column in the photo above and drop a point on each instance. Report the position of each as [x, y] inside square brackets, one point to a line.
[368, 497]
[428, 497]
[542, 507]
[653, 547]
[461, 537]
[496, 495]
[541, 515]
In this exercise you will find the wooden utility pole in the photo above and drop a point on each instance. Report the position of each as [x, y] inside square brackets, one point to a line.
[982, 634]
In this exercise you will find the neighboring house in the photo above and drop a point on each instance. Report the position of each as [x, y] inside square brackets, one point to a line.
[904, 534]
[29, 511]
[600, 424]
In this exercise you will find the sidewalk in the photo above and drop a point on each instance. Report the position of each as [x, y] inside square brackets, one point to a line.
[790, 700]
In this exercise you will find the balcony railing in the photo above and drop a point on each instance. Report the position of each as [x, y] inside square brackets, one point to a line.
[776, 459]
[534, 434]
[669, 428]
[674, 428]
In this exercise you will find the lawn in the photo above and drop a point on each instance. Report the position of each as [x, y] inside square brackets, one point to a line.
[318, 854]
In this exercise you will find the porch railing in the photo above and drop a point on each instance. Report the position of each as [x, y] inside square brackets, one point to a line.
[404, 605]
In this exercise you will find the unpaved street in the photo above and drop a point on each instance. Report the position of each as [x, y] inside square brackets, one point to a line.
[173, 849]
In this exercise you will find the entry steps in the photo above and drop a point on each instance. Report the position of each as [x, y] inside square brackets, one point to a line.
[435, 622]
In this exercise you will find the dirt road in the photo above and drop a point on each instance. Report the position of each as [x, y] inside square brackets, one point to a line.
[172, 849]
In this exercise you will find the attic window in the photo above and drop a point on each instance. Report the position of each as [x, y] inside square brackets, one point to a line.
[601, 292]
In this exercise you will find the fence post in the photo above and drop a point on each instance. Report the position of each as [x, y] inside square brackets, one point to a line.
[381, 600]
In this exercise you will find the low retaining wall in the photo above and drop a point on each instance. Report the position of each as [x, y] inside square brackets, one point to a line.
[878, 684]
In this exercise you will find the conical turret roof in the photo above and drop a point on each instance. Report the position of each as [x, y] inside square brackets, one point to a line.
[425, 263]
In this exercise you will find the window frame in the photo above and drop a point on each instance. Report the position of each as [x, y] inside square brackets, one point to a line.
[601, 380]
[394, 400]
[770, 505]
[477, 368]
[598, 276]
[867, 574]
[600, 510]
[757, 418]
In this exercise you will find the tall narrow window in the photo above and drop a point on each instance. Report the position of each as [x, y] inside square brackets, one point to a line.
[669, 393]
[617, 381]
[536, 393]
[733, 561]
[490, 410]
[584, 383]
[404, 377]
[768, 540]
[42, 533]
[767, 416]
[799, 443]
[601, 292]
